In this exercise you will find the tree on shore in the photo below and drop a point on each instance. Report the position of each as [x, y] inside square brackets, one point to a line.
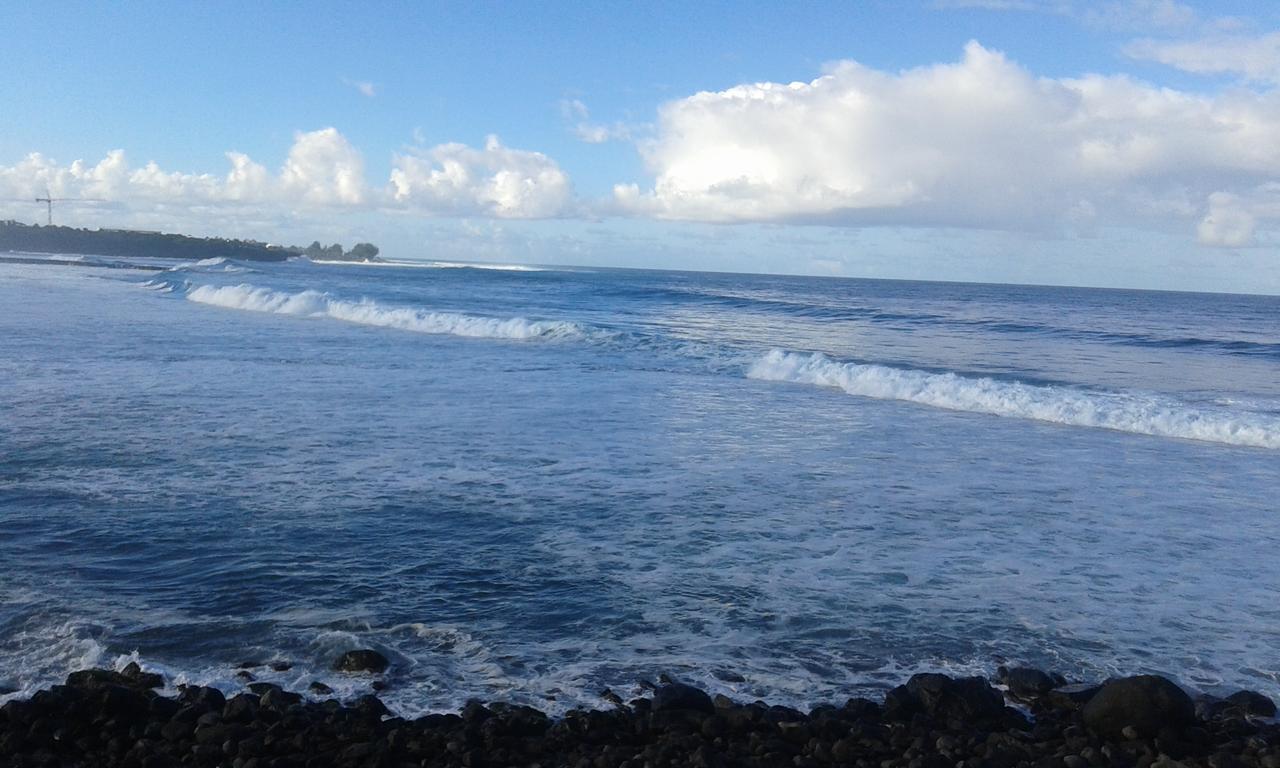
[363, 252]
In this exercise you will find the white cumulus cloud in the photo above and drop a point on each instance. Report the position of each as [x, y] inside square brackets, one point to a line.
[980, 143]
[324, 168]
[455, 179]
[323, 172]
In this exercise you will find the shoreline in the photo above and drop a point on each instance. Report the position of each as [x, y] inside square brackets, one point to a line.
[118, 718]
[16, 257]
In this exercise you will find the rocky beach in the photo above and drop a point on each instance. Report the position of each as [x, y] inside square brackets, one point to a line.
[1027, 717]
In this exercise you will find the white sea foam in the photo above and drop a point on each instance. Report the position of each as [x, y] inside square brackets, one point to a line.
[1140, 414]
[434, 265]
[216, 264]
[440, 265]
[476, 265]
[365, 312]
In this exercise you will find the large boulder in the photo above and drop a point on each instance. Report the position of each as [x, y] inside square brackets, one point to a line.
[678, 696]
[362, 660]
[1026, 683]
[1252, 703]
[131, 677]
[967, 699]
[1072, 696]
[1146, 703]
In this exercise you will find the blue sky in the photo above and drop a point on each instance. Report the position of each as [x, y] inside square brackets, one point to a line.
[1129, 143]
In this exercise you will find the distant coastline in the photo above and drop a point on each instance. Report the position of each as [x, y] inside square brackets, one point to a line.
[18, 237]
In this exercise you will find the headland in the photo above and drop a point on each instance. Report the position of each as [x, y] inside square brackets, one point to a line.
[119, 243]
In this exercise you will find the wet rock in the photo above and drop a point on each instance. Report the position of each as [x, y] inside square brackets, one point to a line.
[475, 712]
[678, 696]
[202, 697]
[319, 688]
[1252, 703]
[363, 660]
[279, 699]
[1025, 682]
[140, 678]
[944, 698]
[949, 723]
[241, 708]
[371, 706]
[99, 678]
[722, 702]
[859, 709]
[728, 676]
[162, 708]
[1145, 703]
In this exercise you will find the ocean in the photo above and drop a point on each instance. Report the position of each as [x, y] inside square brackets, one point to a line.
[533, 484]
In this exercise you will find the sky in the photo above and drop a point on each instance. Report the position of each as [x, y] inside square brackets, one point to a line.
[1126, 143]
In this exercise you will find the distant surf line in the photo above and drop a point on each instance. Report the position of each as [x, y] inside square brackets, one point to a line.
[1133, 413]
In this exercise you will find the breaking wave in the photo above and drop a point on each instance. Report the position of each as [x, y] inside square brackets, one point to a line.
[432, 265]
[214, 265]
[312, 303]
[1144, 415]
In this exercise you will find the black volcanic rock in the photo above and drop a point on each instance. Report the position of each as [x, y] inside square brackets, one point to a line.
[202, 698]
[931, 722]
[1026, 682]
[1252, 703]
[1145, 703]
[362, 660]
[131, 677]
[678, 696]
[945, 698]
[1073, 696]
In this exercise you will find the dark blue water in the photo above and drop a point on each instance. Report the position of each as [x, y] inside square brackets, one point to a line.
[533, 485]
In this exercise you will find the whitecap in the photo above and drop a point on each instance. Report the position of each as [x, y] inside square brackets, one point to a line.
[311, 303]
[1125, 412]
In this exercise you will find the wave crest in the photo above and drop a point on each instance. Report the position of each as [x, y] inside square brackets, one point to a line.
[312, 303]
[1138, 414]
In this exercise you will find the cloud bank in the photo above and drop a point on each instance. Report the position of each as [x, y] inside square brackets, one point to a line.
[976, 143]
[322, 172]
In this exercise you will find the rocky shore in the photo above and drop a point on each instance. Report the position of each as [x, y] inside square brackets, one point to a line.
[107, 718]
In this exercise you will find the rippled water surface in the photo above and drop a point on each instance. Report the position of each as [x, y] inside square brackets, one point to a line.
[532, 485]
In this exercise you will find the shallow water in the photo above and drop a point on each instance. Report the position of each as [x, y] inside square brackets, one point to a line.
[532, 485]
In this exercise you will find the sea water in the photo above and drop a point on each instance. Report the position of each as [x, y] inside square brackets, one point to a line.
[533, 484]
